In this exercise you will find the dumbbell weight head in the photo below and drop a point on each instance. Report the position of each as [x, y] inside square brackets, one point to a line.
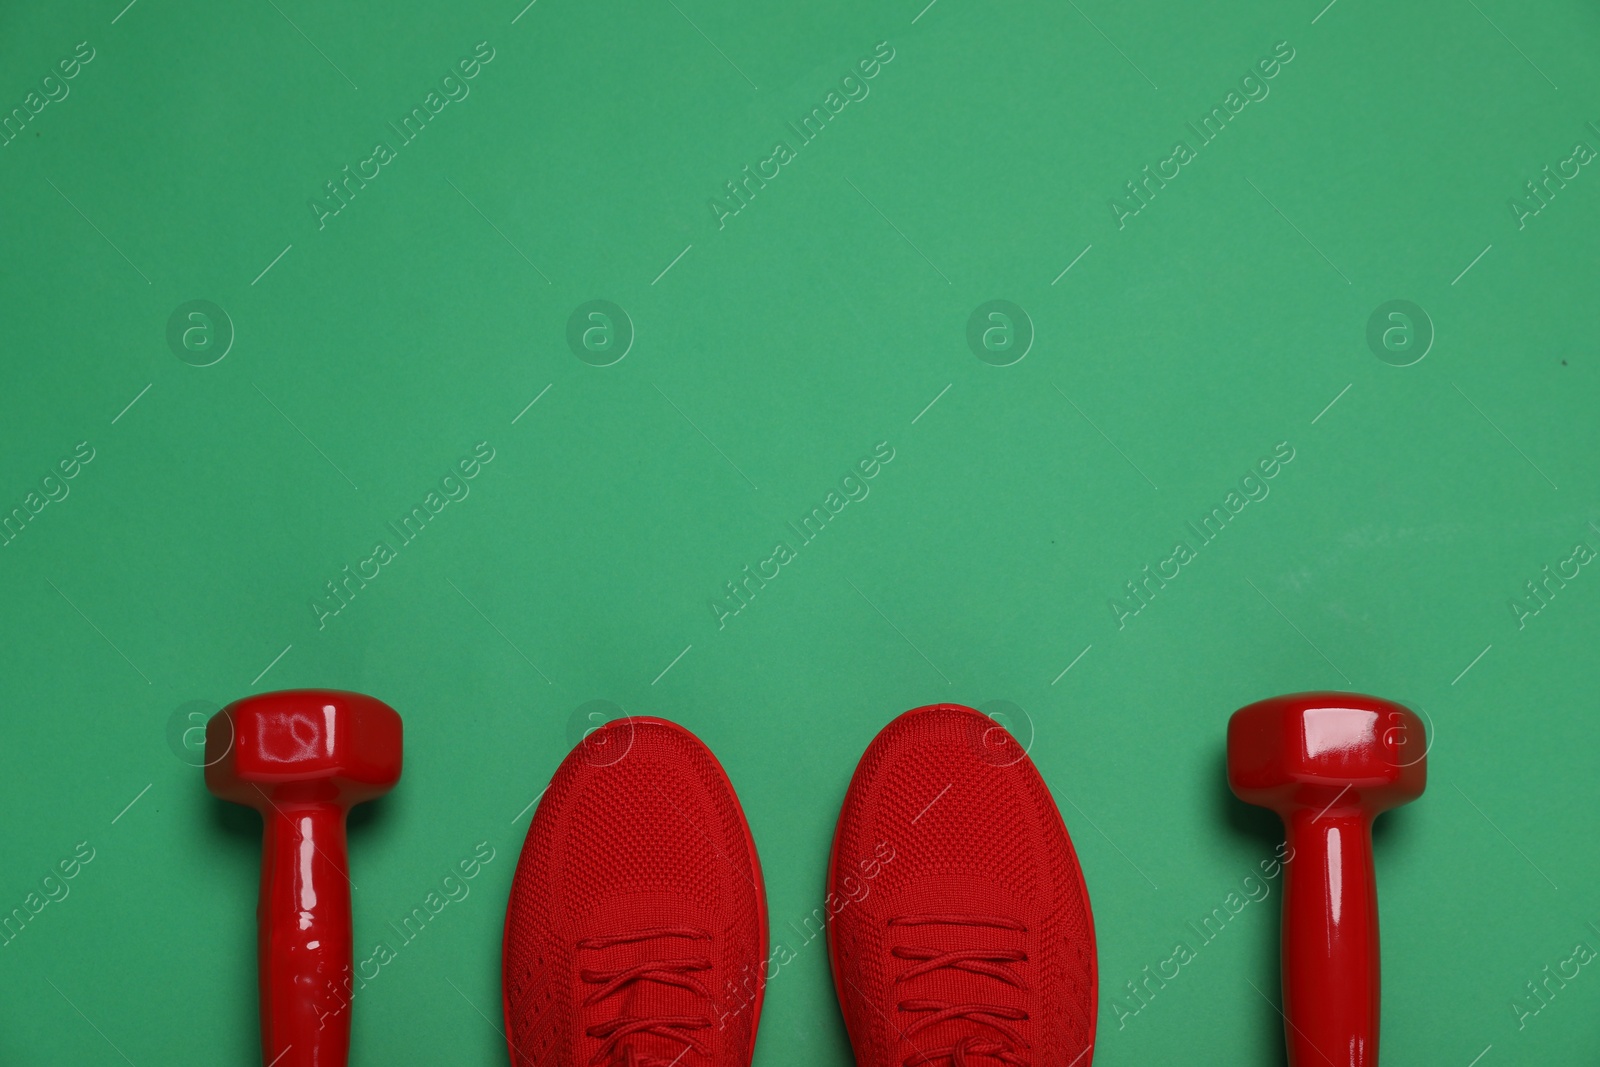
[303, 758]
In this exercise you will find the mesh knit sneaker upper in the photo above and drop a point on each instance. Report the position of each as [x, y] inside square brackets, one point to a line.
[963, 935]
[636, 930]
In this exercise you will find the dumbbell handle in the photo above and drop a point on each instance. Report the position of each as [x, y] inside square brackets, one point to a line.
[1330, 940]
[304, 937]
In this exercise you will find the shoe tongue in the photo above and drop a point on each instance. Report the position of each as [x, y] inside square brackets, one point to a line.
[950, 897]
[647, 998]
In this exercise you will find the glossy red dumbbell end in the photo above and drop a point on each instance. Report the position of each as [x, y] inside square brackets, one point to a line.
[303, 758]
[1328, 763]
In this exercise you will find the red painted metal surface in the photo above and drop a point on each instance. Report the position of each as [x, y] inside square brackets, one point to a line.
[303, 758]
[1328, 763]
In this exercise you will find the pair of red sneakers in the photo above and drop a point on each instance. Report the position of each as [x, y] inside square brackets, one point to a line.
[958, 922]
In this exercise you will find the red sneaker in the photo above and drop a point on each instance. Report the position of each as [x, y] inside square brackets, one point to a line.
[961, 931]
[636, 935]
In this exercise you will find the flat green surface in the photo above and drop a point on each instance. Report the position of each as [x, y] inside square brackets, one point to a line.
[1225, 319]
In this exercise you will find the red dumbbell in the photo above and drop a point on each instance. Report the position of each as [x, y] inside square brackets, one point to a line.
[1328, 763]
[303, 758]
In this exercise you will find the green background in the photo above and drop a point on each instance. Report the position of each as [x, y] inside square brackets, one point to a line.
[776, 351]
